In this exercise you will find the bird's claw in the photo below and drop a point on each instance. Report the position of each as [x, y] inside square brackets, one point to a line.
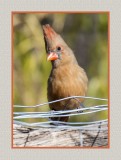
[81, 106]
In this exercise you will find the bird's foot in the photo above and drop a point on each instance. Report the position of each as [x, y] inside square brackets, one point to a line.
[81, 106]
[55, 123]
[51, 113]
[58, 123]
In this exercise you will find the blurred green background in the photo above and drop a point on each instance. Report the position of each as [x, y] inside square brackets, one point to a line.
[86, 34]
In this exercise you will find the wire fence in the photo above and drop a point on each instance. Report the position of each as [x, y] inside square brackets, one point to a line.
[19, 116]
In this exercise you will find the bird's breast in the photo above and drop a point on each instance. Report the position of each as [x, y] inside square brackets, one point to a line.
[66, 82]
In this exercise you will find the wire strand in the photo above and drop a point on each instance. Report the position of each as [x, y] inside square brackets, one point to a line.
[19, 116]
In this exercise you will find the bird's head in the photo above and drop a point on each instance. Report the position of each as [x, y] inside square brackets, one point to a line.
[57, 50]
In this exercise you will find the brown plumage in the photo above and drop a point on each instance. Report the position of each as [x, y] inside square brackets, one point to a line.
[67, 78]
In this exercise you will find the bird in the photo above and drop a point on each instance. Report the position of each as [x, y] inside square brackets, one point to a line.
[66, 78]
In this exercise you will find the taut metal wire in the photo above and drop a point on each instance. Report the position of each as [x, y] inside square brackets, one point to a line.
[19, 116]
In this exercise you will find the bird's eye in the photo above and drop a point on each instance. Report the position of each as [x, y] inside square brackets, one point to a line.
[58, 48]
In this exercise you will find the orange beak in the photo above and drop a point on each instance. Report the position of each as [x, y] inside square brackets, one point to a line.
[52, 56]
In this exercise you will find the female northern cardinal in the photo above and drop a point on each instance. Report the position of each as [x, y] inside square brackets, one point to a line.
[67, 78]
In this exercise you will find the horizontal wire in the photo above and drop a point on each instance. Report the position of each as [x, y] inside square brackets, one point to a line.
[46, 103]
[67, 123]
[52, 115]
[42, 124]
[64, 111]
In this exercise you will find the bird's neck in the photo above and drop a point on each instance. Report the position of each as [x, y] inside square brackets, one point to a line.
[55, 64]
[63, 62]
